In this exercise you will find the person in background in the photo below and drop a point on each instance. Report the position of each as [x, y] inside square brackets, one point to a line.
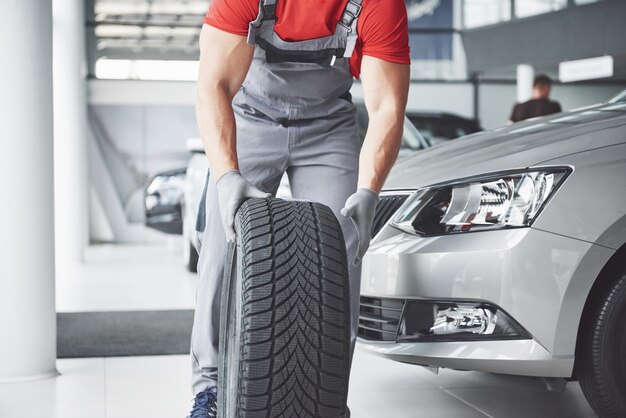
[539, 105]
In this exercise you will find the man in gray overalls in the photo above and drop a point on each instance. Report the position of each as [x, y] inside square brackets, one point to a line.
[274, 97]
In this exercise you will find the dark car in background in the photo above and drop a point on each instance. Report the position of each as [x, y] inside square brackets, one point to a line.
[412, 139]
[163, 200]
[440, 127]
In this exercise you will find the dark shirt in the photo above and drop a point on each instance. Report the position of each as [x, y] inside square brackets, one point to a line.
[534, 108]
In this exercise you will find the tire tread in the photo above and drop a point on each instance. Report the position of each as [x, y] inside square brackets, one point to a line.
[594, 370]
[295, 315]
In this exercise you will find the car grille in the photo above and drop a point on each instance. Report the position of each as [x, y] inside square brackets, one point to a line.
[379, 318]
[387, 205]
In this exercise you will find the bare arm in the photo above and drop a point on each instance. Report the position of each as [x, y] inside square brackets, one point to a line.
[224, 62]
[385, 88]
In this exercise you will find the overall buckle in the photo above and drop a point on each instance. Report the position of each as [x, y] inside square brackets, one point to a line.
[354, 8]
[350, 13]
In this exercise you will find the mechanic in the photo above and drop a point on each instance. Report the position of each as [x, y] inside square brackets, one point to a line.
[539, 105]
[274, 97]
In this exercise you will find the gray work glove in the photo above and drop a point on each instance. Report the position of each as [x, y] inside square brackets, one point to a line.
[361, 208]
[232, 191]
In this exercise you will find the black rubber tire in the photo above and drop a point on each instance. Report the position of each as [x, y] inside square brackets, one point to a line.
[601, 353]
[190, 257]
[285, 322]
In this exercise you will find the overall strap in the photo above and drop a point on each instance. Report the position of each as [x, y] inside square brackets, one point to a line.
[267, 11]
[348, 22]
[323, 51]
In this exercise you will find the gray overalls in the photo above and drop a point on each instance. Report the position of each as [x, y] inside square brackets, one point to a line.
[294, 113]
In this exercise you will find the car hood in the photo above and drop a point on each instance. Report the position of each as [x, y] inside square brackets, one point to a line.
[521, 145]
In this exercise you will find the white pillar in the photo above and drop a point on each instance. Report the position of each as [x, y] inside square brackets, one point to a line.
[27, 313]
[70, 131]
[525, 77]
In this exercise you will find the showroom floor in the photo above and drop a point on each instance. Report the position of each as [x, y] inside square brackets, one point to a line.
[151, 277]
[157, 387]
[126, 278]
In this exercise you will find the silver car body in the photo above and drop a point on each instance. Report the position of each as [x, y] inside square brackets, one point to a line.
[540, 275]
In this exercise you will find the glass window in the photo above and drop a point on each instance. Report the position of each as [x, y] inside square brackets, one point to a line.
[525, 8]
[146, 70]
[485, 12]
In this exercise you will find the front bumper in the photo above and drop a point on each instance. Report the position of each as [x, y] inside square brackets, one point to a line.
[521, 357]
[525, 272]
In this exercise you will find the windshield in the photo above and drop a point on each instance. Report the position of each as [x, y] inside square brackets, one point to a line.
[619, 98]
[412, 139]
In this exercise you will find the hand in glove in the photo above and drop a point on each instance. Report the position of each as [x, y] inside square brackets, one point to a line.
[232, 191]
[361, 207]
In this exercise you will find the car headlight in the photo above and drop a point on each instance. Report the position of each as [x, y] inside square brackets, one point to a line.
[161, 182]
[494, 201]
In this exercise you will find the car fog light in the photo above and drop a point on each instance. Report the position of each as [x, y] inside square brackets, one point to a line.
[453, 321]
[463, 318]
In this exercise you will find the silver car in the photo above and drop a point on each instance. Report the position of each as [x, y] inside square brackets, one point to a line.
[505, 252]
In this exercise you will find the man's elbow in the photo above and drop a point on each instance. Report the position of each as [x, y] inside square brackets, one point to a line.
[212, 88]
[389, 114]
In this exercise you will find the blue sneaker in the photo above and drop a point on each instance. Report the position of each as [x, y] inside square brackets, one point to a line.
[205, 404]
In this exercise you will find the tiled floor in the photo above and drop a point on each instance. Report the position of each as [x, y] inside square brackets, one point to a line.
[152, 277]
[126, 278]
[157, 387]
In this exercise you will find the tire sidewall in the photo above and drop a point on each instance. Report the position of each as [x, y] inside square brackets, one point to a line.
[600, 357]
[230, 336]
[614, 346]
[235, 347]
[190, 256]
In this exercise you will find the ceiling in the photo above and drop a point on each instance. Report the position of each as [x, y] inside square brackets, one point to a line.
[169, 30]
[145, 29]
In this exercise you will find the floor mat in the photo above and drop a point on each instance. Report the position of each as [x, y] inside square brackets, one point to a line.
[114, 334]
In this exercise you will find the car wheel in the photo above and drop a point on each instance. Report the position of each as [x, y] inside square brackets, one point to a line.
[285, 323]
[190, 255]
[601, 355]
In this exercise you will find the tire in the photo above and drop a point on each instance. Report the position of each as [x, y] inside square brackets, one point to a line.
[601, 354]
[190, 255]
[285, 322]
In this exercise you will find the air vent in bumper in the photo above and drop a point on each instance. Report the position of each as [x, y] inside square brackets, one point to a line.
[388, 204]
[379, 318]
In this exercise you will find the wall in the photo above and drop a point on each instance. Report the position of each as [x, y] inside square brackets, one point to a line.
[450, 97]
[150, 99]
[137, 141]
[454, 97]
[495, 103]
[141, 126]
[574, 33]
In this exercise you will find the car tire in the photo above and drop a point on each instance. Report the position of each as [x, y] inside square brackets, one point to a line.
[601, 354]
[285, 322]
[190, 255]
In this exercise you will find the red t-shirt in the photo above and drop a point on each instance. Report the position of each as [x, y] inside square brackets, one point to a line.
[382, 25]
